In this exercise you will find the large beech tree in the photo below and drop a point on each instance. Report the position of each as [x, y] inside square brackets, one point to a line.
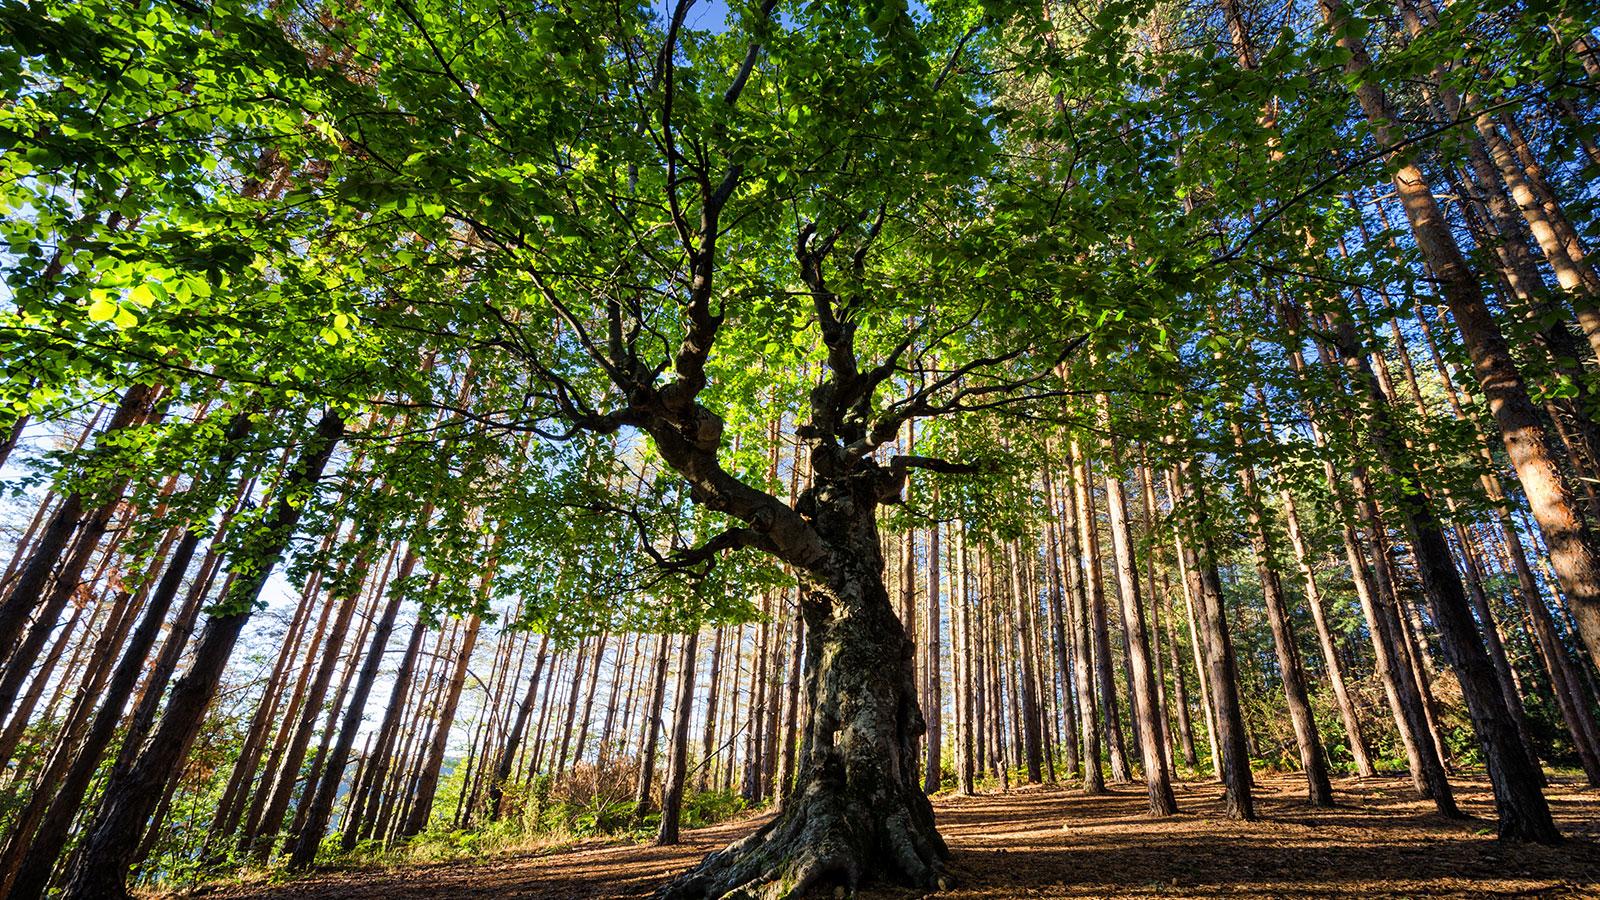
[630, 263]
[623, 319]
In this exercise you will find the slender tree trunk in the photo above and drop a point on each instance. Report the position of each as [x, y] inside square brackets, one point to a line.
[364, 809]
[111, 840]
[1229, 717]
[1033, 752]
[962, 615]
[232, 805]
[1400, 687]
[1330, 656]
[1524, 815]
[606, 732]
[1290, 671]
[433, 757]
[708, 742]
[573, 693]
[652, 731]
[678, 753]
[1077, 592]
[39, 849]
[933, 772]
[351, 663]
[1059, 625]
[1158, 599]
[266, 829]
[1559, 663]
[1197, 648]
[302, 848]
[513, 743]
[589, 700]
[1142, 683]
[1100, 632]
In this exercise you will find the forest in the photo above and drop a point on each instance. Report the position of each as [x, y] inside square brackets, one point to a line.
[782, 448]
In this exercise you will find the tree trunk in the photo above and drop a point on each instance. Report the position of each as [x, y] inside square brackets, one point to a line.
[573, 693]
[1142, 682]
[32, 875]
[1330, 655]
[1033, 752]
[111, 841]
[678, 753]
[652, 734]
[934, 774]
[1291, 673]
[857, 809]
[1197, 649]
[319, 797]
[1059, 625]
[1099, 629]
[54, 568]
[1078, 606]
[708, 741]
[1229, 717]
[962, 615]
[791, 711]
[366, 804]
[513, 743]
[433, 758]
[231, 807]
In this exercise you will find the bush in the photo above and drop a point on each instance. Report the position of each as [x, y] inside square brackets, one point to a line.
[710, 807]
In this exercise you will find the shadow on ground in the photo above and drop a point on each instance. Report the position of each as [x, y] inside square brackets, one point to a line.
[1048, 841]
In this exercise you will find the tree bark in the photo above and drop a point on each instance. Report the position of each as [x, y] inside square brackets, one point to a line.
[1206, 586]
[1143, 684]
[319, 798]
[857, 808]
[111, 841]
[678, 753]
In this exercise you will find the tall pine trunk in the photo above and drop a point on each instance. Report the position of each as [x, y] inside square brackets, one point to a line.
[1143, 684]
[1573, 550]
[678, 752]
[1206, 586]
[111, 840]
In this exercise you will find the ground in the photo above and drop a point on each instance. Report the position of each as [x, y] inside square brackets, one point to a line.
[1050, 841]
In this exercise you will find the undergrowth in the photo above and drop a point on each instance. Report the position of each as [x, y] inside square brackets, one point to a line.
[594, 800]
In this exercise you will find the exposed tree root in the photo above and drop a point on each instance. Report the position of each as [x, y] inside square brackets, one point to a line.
[825, 838]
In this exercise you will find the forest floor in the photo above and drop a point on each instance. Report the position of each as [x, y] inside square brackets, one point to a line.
[1049, 841]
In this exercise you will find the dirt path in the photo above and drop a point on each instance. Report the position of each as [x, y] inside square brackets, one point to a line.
[1051, 842]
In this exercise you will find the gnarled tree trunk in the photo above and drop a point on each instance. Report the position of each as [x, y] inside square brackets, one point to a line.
[857, 808]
